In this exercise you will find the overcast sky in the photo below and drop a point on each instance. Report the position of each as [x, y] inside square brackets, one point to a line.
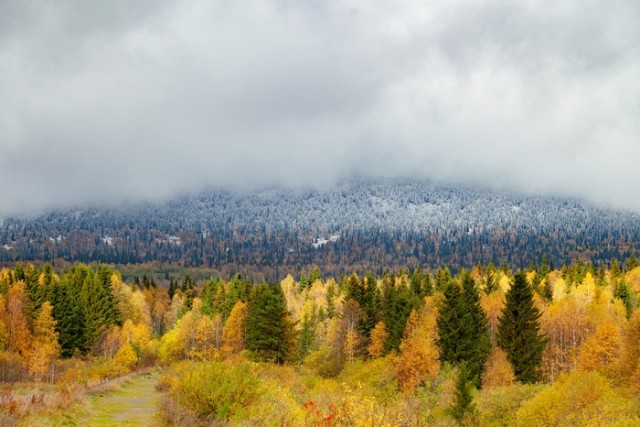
[121, 100]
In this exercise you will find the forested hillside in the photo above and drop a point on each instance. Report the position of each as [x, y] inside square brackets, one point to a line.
[488, 346]
[356, 226]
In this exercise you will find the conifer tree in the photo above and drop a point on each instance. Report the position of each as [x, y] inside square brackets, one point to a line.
[519, 331]
[330, 298]
[70, 321]
[443, 277]
[18, 273]
[450, 321]
[463, 328]
[307, 335]
[416, 281]
[270, 331]
[491, 283]
[476, 323]
[463, 405]
[615, 268]
[624, 294]
[631, 263]
[398, 303]
[172, 288]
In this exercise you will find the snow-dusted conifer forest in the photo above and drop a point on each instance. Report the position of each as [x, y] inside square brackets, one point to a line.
[354, 224]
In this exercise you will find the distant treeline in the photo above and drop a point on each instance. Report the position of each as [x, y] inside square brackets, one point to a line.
[273, 255]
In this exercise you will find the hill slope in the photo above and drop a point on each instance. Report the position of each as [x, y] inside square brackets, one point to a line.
[356, 225]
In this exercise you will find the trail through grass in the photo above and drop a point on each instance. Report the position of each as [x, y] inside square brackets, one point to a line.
[133, 404]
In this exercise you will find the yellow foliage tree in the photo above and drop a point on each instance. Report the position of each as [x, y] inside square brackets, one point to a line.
[205, 337]
[351, 342]
[233, 333]
[111, 342]
[492, 305]
[504, 283]
[45, 348]
[125, 357]
[566, 325]
[418, 358]
[379, 336]
[602, 349]
[630, 360]
[16, 320]
[498, 371]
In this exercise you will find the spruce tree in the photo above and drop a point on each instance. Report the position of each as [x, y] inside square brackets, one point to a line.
[443, 277]
[519, 331]
[450, 324]
[18, 273]
[631, 263]
[616, 271]
[463, 328]
[624, 294]
[69, 316]
[270, 331]
[463, 406]
[478, 337]
[307, 335]
[491, 283]
[398, 303]
[417, 285]
[330, 298]
[173, 286]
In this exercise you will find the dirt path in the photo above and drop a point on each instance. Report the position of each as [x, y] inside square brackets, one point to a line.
[133, 404]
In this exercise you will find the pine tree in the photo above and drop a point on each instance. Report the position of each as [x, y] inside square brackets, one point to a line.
[519, 331]
[270, 331]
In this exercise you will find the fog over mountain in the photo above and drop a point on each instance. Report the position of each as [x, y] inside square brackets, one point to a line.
[110, 102]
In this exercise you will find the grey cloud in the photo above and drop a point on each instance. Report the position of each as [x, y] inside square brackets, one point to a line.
[119, 101]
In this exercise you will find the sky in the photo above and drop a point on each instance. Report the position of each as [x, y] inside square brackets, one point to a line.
[118, 101]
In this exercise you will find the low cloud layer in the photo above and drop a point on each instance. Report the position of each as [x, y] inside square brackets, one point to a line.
[119, 101]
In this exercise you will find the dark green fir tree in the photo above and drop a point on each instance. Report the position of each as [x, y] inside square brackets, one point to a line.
[270, 333]
[519, 331]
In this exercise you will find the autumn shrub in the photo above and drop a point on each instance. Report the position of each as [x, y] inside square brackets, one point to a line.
[325, 362]
[497, 405]
[277, 408]
[579, 399]
[217, 390]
